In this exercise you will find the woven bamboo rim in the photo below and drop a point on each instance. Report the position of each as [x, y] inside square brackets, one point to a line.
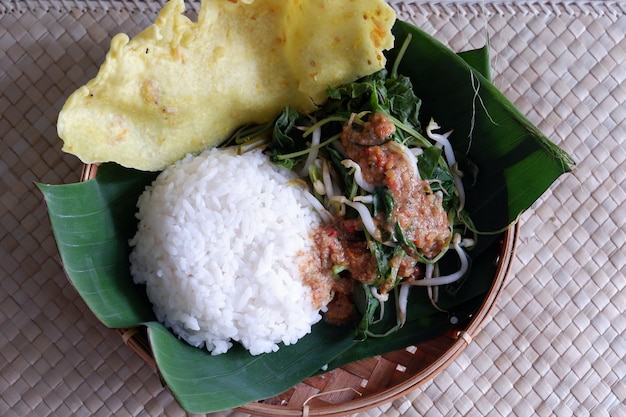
[368, 383]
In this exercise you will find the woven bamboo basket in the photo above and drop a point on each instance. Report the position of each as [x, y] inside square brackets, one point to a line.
[368, 383]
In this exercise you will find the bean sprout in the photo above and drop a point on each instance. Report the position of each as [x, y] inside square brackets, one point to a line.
[328, 183]
[319, 188]
[316, 137]
[380, 297]
[366, 216]
[408, 156]
[358, 175]
[403, 299]
[365, 199]
[417, 151]
[442, 139]
[319, 207]
[449, 279]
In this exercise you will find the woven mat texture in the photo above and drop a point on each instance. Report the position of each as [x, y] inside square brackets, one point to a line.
[556, 341]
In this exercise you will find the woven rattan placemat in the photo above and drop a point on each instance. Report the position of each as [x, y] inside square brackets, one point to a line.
[556, 343]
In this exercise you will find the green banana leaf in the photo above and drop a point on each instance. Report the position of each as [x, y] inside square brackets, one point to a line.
[92, 222]
[516, 162]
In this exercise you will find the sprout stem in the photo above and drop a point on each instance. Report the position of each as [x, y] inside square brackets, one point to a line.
[448, 279]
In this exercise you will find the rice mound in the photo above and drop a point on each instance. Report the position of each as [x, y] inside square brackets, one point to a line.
[222, 245]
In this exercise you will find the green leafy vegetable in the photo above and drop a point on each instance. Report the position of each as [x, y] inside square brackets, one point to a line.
[383, 201]
[342, 186]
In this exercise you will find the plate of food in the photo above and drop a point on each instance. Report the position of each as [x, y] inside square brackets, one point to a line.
[289, 219]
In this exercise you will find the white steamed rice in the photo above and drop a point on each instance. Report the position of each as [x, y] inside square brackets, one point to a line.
[221, 244]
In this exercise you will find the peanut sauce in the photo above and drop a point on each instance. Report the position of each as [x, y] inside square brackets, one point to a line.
[416, 209]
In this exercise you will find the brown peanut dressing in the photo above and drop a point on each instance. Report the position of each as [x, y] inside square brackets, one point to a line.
[416, 209]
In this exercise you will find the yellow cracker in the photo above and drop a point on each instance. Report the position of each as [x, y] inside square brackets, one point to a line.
[181, 86]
